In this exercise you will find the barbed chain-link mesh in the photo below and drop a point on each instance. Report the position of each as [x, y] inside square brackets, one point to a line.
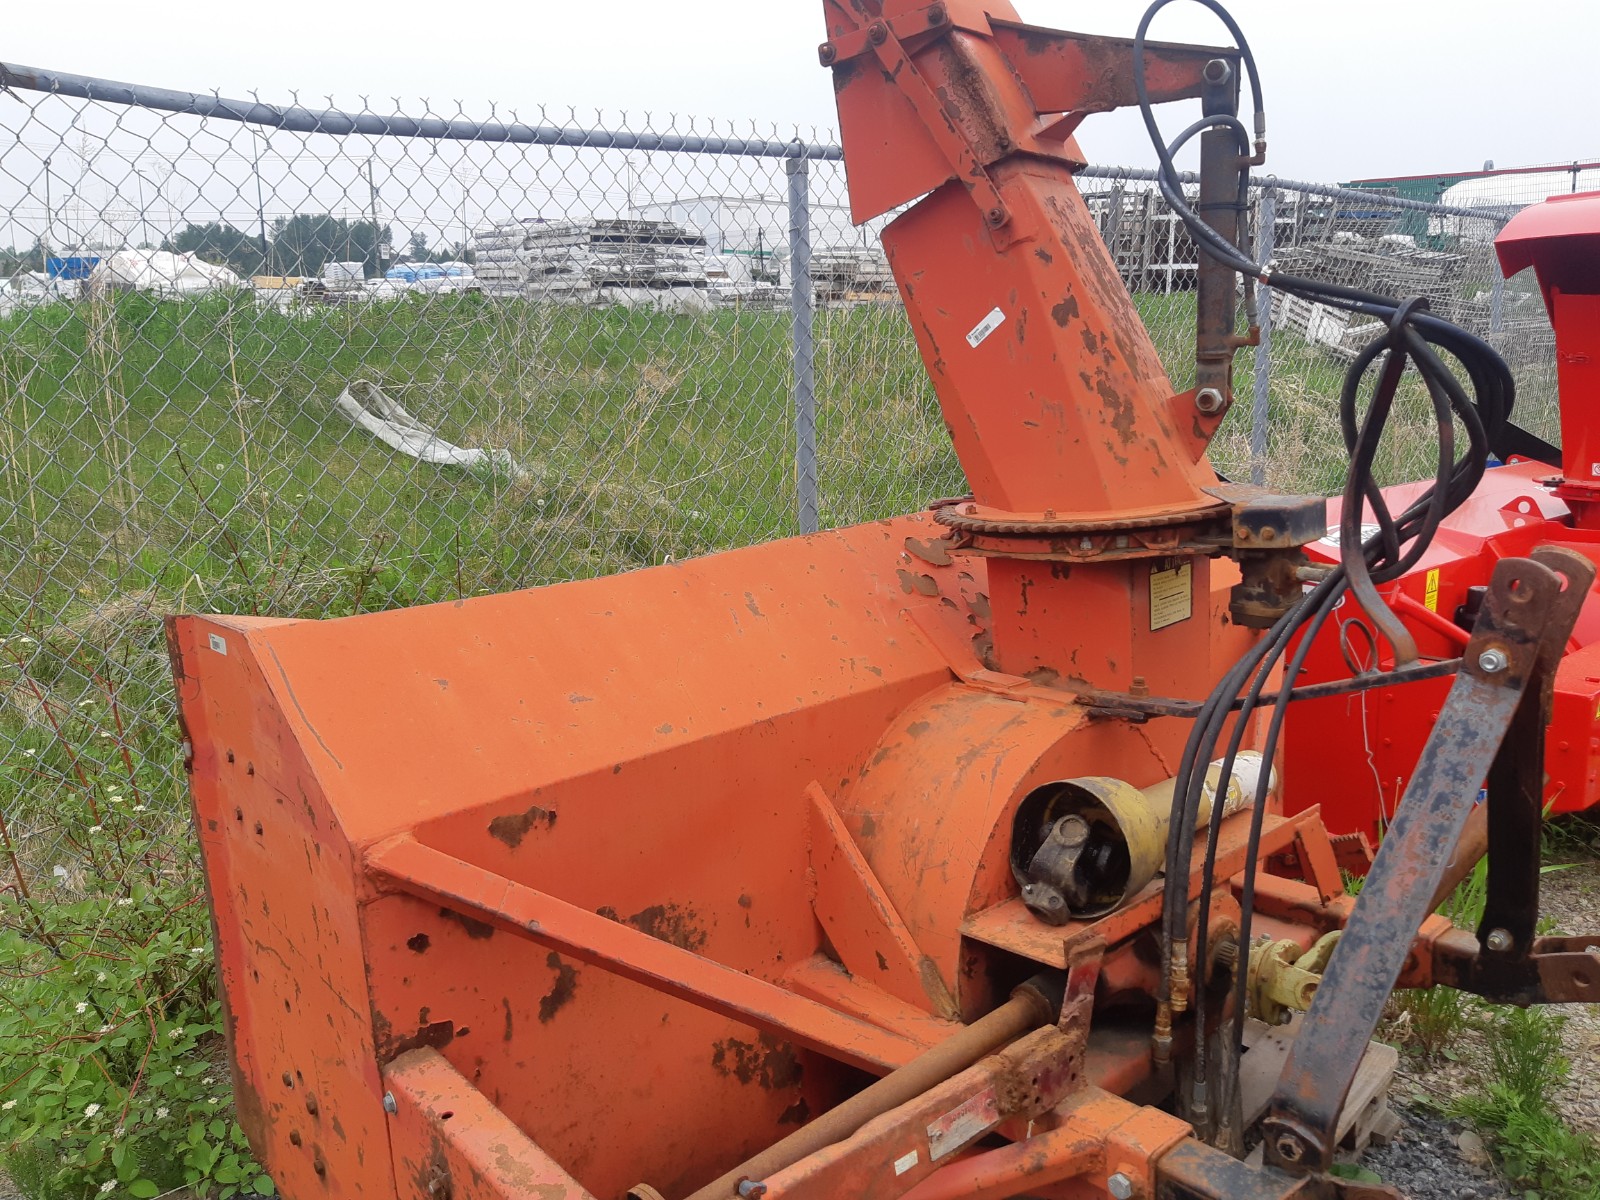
[252, 370]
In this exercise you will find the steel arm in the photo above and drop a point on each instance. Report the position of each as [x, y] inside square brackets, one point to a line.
[1496, 699]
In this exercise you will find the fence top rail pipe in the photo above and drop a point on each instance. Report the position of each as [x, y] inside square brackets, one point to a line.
[339, 123]
[1367, 197]
[336, 122]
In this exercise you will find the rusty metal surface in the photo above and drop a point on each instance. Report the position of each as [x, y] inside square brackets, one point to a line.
[1516, 790]
[907, 1144]
[500, 903]
[448, 1142]
[1520, 615]
[1026, 1010]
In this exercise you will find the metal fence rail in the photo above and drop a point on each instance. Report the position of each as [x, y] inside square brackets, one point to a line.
[300, 361]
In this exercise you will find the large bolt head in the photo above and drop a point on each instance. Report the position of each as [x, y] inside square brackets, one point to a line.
[1492, 662]
[1120, 1186]
[1499, 940]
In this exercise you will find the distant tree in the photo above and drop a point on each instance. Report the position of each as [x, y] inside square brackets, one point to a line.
[418, 249]
[301, 244]
[14, 261]
[219, 242]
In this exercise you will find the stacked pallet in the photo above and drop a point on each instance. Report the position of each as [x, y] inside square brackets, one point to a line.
[600, 261]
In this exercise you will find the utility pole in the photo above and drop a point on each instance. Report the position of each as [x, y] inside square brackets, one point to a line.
[261, 208]
[377, 232]
[49, 214]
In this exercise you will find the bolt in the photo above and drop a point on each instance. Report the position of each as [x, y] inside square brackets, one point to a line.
[1499, 940]
[1492, 662]
[1120, 1186]
[827, 52]
[311, 1105]
[1288, 1147]
[935, 14]
[749, 1188]
[1217, 72]
[1086, 544]
[878, 34]
[1209, 401]
[390, 1105]
[996, 216]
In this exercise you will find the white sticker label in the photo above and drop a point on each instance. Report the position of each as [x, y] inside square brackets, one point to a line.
[1334, 533]
[218, 643]
[1594, 469]
[985, 327]
[962, 1124]
[904, 1163]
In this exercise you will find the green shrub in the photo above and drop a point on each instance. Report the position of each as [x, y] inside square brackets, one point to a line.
[111, 1056]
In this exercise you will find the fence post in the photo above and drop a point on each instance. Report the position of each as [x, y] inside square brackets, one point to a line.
[1260, 403]
[804, 348]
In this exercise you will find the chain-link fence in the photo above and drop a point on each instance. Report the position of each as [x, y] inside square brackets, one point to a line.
[314, 362]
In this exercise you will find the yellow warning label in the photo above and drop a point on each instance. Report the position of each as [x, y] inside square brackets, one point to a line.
[1430, 595]
[1171, 596]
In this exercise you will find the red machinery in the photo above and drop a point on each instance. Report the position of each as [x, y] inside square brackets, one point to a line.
[1365, 746]
[847, 865]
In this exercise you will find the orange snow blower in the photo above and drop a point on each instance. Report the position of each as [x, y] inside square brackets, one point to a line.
[943, 856]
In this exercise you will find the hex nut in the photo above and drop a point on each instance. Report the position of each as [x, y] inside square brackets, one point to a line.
[389, 1103]
[1499, 940]
[1493, 661]
[1120, 1186]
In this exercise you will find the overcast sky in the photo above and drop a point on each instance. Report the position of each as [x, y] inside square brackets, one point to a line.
[1354, 89]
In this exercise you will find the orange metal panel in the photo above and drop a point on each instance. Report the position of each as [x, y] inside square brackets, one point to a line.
[448, 1141]
[864, 929]
[289, 947]
[588, 937]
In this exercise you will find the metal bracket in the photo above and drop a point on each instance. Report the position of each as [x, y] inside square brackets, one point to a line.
[1526, 618]
[885, 41]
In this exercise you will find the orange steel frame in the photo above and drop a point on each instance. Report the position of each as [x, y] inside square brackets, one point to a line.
[551, 893]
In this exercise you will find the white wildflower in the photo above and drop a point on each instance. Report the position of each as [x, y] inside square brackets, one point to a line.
[8, 1106]
[29, 753]
[212, 1100]
[27, 641]
[175, 1033]
[177, 1070]
[198, 950]
[104, 1029]
[119, 1131]
[105, 737]
[123, 902]
[109, 1185]
[163, 1113]
[115, 799]
[99, 976]
[97, 829]
[141, 808]
[90, 1110]
[85, 703]
[82, 1007]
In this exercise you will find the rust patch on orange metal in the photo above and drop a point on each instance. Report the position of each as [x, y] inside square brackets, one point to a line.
[558, 996]
[513, 828]
[768, 1061]
[670, 923]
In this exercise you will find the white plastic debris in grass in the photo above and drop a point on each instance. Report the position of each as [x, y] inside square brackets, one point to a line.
[369, 408]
